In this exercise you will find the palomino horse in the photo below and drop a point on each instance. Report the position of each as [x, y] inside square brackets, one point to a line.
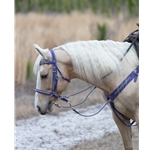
[89, 61]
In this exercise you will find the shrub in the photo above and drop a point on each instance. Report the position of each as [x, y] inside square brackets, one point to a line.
[102, 31]
[29, 72]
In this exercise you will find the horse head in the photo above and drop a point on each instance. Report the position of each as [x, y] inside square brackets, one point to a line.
[52, 77]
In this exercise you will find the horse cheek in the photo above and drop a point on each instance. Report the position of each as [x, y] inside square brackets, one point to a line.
[62, 85]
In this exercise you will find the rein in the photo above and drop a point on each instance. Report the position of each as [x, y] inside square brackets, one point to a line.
[110, 98]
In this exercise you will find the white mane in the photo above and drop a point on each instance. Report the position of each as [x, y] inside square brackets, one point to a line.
[94, 59]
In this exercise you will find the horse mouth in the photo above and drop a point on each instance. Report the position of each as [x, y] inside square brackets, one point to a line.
[50, 108]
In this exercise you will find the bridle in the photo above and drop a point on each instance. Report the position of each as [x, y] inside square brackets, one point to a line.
[55, 71]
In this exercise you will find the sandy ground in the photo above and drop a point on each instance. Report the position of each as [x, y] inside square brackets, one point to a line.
[62, 131]
[66, 131]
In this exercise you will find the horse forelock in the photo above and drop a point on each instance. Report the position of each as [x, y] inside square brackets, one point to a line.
[94, 59]
[36, 64]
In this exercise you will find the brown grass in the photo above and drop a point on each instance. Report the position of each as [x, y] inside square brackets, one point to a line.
[52, 30]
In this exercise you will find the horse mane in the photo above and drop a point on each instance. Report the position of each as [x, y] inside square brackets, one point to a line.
[94, 59]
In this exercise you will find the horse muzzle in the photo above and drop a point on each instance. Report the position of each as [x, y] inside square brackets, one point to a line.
[44, 109]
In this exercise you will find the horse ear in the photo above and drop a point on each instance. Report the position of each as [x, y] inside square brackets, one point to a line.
[40, 51]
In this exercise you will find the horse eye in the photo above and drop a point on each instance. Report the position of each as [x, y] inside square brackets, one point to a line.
[44, 76]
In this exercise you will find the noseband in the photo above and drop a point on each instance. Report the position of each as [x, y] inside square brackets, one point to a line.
[55, 71]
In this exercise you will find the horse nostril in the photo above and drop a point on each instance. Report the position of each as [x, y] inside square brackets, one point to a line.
[39, 109]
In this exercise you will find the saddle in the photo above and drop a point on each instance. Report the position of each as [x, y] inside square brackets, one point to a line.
[133, 38]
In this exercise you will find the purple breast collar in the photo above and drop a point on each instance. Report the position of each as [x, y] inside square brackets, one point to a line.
[119, 89]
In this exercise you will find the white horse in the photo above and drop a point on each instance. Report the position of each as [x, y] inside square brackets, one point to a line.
[90, 61]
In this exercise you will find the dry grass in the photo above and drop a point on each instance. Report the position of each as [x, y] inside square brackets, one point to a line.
[52, 30]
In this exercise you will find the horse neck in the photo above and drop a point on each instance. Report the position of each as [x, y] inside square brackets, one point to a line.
[63, 59]
[108, 84]
[110, 81]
